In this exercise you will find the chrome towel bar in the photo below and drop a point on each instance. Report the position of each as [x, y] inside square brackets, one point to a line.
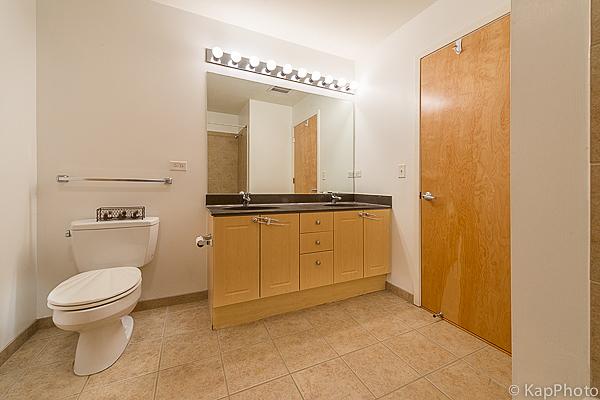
[67, 178]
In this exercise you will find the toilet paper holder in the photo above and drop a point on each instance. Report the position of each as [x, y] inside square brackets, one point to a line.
[205, 240]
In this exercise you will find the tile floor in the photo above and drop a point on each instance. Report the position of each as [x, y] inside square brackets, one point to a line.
[372, 346]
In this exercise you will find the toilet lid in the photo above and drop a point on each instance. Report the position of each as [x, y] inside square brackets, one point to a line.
[94, 286]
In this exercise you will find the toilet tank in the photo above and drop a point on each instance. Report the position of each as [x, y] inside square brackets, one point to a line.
[108, 244]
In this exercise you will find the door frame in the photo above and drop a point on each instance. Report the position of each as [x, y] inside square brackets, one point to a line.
[439, 44]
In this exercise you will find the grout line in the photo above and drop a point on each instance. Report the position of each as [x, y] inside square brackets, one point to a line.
[222, 363]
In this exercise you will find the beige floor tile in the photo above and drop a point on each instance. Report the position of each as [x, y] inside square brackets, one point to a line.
[52, 381]
[384, 325]
[194, 305]
[416, 317]
[304, 349]
[188, 347]
[419, 390]
[346, 336]
[59, 348]
[280, 389]
[460, 381]
[242, 335]
[331, 380]
[326, 314]
[140, 388]
[252, 365]
[453, 339]
[202, 380]
[52, 331]
[419, 352]
[380, 369]
[138, 359]
[493, 363]
[8, 379]
[287, 324]
[148, 324]
[24, 356]
[193, 319]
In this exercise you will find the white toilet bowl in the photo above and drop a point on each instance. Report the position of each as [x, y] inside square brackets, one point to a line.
[96, 304]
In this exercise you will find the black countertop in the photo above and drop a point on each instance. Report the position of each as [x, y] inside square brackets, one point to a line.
[278, 208]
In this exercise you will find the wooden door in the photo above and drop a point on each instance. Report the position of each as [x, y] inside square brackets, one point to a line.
[376, 237]
[347, 246]
[280, 254]
[235, 258]
[465, 230]
[305, 156]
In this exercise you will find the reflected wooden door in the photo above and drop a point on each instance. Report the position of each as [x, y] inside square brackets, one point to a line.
[465, 229]
[305, 156]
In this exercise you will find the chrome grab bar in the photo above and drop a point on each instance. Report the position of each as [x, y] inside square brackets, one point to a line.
[67, 178]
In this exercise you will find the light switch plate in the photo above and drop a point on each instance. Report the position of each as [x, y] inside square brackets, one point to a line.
[178, 165]
[401, 170]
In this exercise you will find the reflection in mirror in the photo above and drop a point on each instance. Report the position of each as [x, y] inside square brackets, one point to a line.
[270, 139]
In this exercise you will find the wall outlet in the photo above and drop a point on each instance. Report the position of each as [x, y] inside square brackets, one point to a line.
[178, 165]
[401, 170]
[323, 175]
[358, 174]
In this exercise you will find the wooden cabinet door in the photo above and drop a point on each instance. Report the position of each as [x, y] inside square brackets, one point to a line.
[347, 246]
[279, 254]
[376, 231]
[235, 258]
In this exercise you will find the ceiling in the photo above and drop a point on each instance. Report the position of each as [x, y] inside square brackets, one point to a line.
[346, 28]
[229, 95]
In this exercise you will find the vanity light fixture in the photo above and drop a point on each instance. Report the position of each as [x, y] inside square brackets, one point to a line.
[315, 77]
[253, 62]
[233, 59]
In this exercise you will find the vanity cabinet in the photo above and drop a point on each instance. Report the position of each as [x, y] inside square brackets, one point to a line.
[279, 247]
[235, 256]
[263, 265]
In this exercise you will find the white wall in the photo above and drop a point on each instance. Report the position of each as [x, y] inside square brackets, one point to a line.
[222, 122]
[270, 148]
[336, 139]
[550, 191]
[387, 119]
[17, 168]
[123, 91]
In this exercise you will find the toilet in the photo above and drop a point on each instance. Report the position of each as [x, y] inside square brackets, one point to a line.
[96, 302]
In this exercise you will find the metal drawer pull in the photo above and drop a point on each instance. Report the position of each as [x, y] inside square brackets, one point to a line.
[268, 221]
[368, 216]
[317, 242]
[318, 222]
[318, 262]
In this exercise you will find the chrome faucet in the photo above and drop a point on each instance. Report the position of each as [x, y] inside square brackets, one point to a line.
[334, 197]
[245, 198]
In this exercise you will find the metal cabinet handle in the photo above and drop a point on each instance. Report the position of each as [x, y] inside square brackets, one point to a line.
[367, 215]
[428, 196]
[318, 222]
[317, 242]
[267, 221]
[318, 262]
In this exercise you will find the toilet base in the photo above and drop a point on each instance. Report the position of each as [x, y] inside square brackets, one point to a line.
[101, 347]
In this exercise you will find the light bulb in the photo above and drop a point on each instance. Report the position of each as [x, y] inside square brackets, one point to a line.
[271, 65]
[353, 85]
[217, 52]
[315, 76]
[301, 74]
[254, 61]
[328, 80]
[235, 57]
[287, 69]
[341, 83]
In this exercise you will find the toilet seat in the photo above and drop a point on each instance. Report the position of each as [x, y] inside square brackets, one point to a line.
[94, 288]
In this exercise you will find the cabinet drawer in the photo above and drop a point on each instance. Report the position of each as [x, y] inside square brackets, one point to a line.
[316, 222]
[316, 241]
[316, 269]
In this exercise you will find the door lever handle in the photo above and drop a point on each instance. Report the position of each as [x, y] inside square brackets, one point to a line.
[427, 196]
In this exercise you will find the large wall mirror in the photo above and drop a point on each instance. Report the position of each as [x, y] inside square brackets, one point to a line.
[270, 139]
